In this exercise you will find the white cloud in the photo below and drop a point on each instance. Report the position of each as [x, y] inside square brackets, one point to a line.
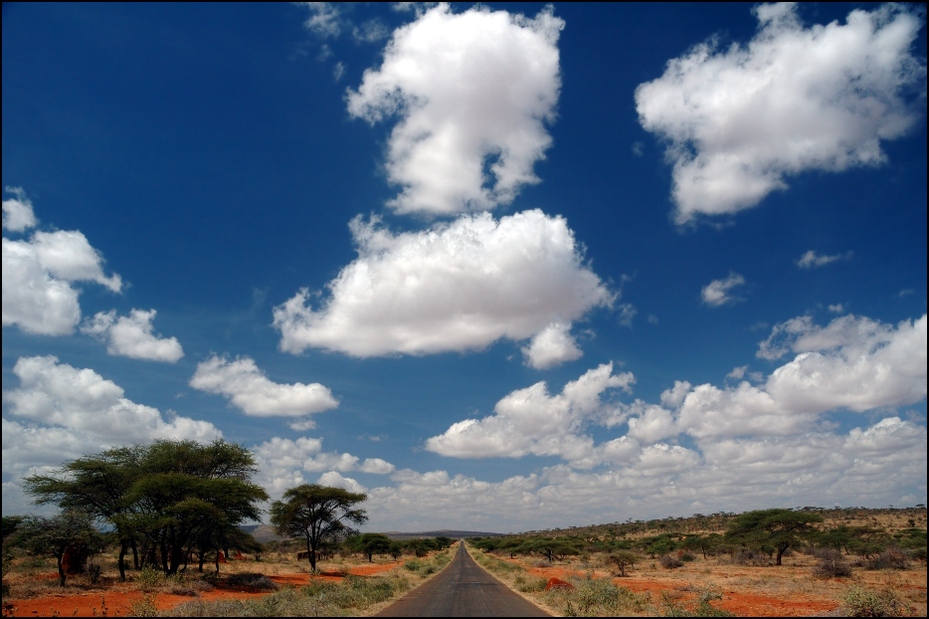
[337, 480]
[17, 212]
[811, 259]
[283, 463]
[131, 336]
[530, 421]
[822, 98]
[67, 255]
[552, 346]
[718, 291]
[455, 287]
[33, 300]
[37, 275]
[78, 407]
[853, 363]
[473, 92]
[324, 20]
[249, 389]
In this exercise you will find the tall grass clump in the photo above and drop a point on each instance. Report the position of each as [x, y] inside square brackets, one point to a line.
[596, 597]
[318, 599]
[861, 602]
[703, 608]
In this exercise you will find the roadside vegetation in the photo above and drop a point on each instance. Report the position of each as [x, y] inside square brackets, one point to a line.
[838, 562]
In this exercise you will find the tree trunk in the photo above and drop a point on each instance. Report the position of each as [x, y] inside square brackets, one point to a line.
[61, 569]
[311, 555]
[123, 547]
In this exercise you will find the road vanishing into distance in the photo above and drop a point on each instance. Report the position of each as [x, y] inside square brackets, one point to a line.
[462, 589]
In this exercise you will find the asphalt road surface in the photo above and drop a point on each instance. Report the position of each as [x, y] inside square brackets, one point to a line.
[462, 589]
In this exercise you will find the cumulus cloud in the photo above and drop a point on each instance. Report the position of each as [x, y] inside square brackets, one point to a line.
[853, 363]
[811, 259]
[454, 287]
[38, 295]
[249, 389]
[473, 92]
[718, 291]
[530, 421]
[739, 120]
[131, 336]
[65, 412]
[552, 346]
[17, 212]
[284, 463]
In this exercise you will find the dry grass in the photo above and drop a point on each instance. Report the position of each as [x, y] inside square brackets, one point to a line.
[745, 590]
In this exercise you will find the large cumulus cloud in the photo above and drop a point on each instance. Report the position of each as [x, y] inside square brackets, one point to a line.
[739, 120]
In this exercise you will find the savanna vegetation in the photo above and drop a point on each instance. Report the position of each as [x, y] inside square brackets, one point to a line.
[802, 561]
[144, 522]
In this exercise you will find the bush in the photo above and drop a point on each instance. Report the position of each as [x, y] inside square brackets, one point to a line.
[530, 585]
[861, 602]
[891, 559]
[669, 563]
[597, 597]
[831, 565]
[749, 557]
[252, 580]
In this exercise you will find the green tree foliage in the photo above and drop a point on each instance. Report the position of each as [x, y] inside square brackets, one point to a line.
[70, 532]
[623, 560]
[369, 544]
[772, 530]
[165, 498]
[319, 514]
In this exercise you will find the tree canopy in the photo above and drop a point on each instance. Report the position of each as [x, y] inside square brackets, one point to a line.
[772, 530]
[166, 497]
[319, 514]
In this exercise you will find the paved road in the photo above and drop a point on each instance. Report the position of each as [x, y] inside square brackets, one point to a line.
[462, 589]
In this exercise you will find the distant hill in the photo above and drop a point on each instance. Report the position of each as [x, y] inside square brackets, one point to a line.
[450, 533]
[264, 533]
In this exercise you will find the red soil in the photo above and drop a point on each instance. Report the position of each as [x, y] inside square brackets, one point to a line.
[741, 604]
[119, 600]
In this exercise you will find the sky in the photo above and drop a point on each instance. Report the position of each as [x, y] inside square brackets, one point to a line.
[498, 267]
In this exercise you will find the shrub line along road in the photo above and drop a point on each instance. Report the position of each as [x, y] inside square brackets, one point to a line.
[462, 589]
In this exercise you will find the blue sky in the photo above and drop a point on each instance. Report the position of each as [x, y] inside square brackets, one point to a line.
[500, 267]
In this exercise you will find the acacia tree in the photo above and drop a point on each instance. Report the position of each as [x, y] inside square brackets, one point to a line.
[773, 530]
[71, 531]
[319, 514]
[163, 496]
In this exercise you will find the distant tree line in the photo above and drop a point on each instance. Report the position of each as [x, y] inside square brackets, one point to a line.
[762, 537]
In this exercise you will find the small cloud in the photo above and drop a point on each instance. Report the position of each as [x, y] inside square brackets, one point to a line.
[371, 31]
[552, 346]
[718, 291]
[17, 212]
[249, 390]
[811, 259]
[324, 20]
[338, 70]
[131, 336]
[303, 425]
[627, 312]
[652, 319]
[638, 149]
[737, 373]
[836, 308]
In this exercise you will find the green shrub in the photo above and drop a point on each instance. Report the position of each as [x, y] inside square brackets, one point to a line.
[860, 602]
[596, 597]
